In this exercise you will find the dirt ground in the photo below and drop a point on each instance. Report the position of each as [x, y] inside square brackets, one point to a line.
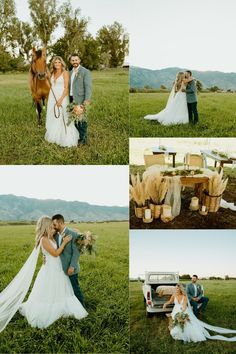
[223, 219]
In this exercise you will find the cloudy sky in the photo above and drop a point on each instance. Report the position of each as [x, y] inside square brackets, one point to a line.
[197, 35]
[99, 185]
[201, 252]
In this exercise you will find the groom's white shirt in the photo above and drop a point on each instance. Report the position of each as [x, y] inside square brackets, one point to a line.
[195, 290]
[60, 236]
[74, 71]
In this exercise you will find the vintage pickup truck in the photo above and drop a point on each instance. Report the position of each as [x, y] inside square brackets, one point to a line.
[157, 289]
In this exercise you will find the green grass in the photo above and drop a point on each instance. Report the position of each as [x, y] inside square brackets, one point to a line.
[217, 116]
[22, 142]
[152, 335]
[103, 280]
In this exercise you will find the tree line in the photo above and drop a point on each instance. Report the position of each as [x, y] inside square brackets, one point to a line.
[105, 50]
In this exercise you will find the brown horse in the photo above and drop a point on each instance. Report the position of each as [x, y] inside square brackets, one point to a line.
[39, 80]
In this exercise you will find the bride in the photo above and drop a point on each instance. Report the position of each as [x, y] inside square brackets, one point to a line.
[57, 130]
[176, 110]
[52, 295]
[192, 330]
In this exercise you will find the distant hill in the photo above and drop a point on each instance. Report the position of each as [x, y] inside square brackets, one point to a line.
[140, 77]
[14, 208]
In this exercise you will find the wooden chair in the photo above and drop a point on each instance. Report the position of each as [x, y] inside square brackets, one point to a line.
[194, 160]
[151, 160]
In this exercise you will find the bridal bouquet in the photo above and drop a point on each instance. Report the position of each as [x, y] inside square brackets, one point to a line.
[76, 113]
[180, 319]
[86, 243]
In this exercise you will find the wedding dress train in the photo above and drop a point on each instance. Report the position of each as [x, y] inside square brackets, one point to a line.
[52, 295]
[196, 330]
[57, 130]
[175, 112]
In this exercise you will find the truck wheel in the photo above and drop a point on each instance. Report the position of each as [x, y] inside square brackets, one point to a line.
[149, 314]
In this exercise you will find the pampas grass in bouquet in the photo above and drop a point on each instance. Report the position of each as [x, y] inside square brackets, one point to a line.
[86, 243]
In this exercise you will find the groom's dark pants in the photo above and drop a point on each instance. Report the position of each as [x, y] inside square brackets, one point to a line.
[192, 113]
[76, 287]
[203, 300]
[82, 128]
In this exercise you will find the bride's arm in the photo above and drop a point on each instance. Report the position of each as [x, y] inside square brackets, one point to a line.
[48, 246]
[185, 303]
[169, 302]
[66, 88]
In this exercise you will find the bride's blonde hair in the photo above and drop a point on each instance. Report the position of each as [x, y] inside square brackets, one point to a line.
[63, 64]
[43, 228]
[178, 81]
[181, 289]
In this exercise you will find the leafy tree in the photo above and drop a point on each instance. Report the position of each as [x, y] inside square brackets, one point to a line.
[8, 22]
[114, 40]
[45, 19]
[214, 89]
[162, 87]
[9, 63]
[105, 58]
[25, 39]
[75, 32]
[199, 86]
[91, 54]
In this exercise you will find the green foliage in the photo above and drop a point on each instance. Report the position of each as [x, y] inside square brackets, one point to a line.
[103, 280]
[21, 142]
[45, 18]
[217, 116]
[113, 40]
[199, 86]
[8, 63]
[151, 335]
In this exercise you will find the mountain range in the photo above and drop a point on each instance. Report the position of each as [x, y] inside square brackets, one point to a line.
[14, 208]
[140, 77]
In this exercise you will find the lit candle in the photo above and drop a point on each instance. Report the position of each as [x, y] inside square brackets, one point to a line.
[166, 211]
[147, 214]
[194, 202]
[204, 208]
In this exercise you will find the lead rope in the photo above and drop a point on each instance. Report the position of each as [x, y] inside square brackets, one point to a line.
[56, 109]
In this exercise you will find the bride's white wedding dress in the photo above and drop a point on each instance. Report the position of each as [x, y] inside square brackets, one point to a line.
[57, 130]
[52, 295]
[175, 112]
[196, 330]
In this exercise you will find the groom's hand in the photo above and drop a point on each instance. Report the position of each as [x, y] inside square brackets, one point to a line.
[70, 271]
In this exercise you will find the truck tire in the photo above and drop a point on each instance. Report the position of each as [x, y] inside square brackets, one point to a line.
[149, 314]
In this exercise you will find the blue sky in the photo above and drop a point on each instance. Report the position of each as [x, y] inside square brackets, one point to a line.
[202, 252]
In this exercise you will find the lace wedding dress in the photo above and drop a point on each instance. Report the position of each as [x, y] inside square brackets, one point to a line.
[57, 130]
[196, 330]
[175, 112]
[52, 295]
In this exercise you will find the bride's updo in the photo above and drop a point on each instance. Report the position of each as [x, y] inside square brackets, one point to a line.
[43, 228]
[178, 81]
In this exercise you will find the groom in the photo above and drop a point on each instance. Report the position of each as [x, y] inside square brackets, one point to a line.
[80, 86]
[70, 255]
[195, 295]
[191, 93]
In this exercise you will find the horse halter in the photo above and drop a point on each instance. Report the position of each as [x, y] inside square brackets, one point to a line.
[41, 75]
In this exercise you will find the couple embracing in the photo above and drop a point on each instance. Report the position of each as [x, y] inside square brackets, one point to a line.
[74, 87]
[181, 107]
[56, 292]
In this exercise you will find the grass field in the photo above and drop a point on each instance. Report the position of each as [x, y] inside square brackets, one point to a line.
[151, 335]
[22, 142]
[103, 280]
[217, 116]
